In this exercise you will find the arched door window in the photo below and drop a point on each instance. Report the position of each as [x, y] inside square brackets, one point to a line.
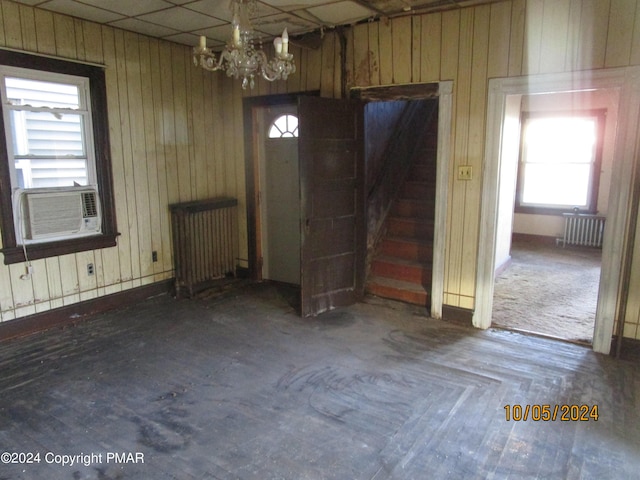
[285, 126]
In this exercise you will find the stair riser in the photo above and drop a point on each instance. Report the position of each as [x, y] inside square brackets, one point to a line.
[418, 191]
[398, 227]
[421, 173]
[416, 298]
[408, 273]
[406, 250]
[422, 210]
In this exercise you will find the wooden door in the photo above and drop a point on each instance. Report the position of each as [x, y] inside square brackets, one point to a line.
[332, 203]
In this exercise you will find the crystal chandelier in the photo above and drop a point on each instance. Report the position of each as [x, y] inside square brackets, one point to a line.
[240, 58]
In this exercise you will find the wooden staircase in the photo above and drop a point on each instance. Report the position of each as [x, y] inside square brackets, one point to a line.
[401, 268]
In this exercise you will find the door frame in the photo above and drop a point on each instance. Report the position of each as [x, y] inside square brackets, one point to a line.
[251, 107]
[443, 159]
[616, 246]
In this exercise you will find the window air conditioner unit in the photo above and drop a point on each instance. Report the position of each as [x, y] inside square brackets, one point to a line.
[45, 215]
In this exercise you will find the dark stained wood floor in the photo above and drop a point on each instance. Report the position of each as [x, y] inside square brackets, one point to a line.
[241, 388]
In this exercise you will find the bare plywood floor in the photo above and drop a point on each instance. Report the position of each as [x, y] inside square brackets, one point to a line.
[241, 388]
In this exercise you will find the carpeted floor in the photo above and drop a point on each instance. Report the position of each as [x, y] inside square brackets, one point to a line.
[549, 290]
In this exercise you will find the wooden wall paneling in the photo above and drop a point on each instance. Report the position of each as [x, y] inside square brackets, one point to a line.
[45, 32]
[7, 308]
[328, 64]
[209, 126]
[532, 33]
[364, 51]
[516, 38]
[111, 256]
[40, 283]
[632, 317]
[385, 45]
[239, 188]
[430, 38]
[401, 49]
[69, 277]
[499, 34]
[622, 15]
[458, 204]
[150, 226]
[81, 53]
[133, 151]
[22, 291]
[314, 66]
[65, 36]
[198, 132]
[161, 241]
[2, 42]
[121, 159]
[373, 54]
[592, 41]
[475, 150]
[54, 282]
[92, 38]
[301, 69]
[181, 113]
[450, 42]
[573, 35]
[168, 120]
[27, 25]
[228, 129]
[218, 134]
[12, 30]
[416, 47]
[337, 67]
[635, 40]
[555, 26]
[87, 284]
[293, 82]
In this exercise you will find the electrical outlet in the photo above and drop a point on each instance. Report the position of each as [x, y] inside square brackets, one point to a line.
[465, 172]
[154, 256]
[90, 269]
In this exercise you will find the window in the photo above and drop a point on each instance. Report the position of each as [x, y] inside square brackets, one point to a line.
[48, 129]
[560, 158]
[56, 143]
[285, 126]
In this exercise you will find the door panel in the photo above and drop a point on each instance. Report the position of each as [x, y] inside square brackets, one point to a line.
[332, 183]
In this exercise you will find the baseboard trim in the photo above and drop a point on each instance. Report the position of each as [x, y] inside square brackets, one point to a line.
[530, 238]
[629, 348]
[457, 315]
[77, 312]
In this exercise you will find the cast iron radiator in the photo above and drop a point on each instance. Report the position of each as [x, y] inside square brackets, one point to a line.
[583, 230]
[204, 242]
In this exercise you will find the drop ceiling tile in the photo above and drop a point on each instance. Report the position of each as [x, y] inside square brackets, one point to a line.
[273, 25]
[80, 10]
[130, 8]
[146, 28]
[341, 13]
[220, 9]
[288, 5]
[188, 39]
[181, 18]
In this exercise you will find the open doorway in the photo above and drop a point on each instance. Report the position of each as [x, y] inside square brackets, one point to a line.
[548, 270]
[618, 84]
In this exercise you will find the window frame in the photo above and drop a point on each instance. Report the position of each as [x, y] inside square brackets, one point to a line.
[14, 253]
[594, 178]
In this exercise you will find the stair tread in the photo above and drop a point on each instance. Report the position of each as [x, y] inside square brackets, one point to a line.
[394, 283]
[416, 240]
[402, 261]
